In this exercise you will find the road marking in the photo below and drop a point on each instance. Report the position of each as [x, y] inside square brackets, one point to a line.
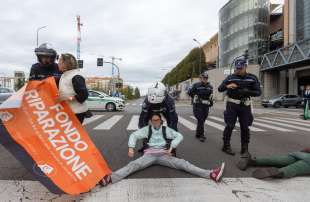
[134, 104]
[286, 121]
[272, 127]
[285, 125]
[213, 124]
[92, 119]
[187, 123]
[297, 119]
[127, 104]
[108, 124]
[237, 124]
[133, 124]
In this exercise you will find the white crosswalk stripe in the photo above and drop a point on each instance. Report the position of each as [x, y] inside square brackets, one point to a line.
[284, 125]
[296, 120]
[290, 122]
[271, 127]
[279, 124]
[187, 123]
[213, 124]
[92, 119]
[133, 124]
[237, 124]
[108, 124]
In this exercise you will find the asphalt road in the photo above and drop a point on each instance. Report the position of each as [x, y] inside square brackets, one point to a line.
[276, 132]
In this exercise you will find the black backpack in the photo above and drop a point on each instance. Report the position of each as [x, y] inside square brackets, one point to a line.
[168, 141]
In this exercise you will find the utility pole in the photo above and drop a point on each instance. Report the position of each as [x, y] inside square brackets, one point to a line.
[114, 65]
[79, 38]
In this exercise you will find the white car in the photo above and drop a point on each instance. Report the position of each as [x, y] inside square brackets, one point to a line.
[100, 101]
[5, 93]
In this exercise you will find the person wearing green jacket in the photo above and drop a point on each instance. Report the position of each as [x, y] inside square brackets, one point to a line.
[286, 166]
[159, 152]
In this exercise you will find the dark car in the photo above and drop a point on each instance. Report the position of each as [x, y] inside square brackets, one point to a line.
[5, 93]
[283, 100]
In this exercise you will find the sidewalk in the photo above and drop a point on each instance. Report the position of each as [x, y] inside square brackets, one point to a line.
[170, 190]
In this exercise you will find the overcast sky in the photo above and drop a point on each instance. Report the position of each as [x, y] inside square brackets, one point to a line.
[147, 34]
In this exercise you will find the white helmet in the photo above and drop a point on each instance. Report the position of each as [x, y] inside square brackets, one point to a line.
[157, 93]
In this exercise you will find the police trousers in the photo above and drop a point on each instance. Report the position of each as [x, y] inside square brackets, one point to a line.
[244, 115]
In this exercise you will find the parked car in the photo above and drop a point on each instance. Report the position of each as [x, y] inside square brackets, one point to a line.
[283, 100]
[5, 93]
[100, 101]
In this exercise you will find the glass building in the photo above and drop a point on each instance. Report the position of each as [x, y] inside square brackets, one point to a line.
[244, 25]
[302, 20]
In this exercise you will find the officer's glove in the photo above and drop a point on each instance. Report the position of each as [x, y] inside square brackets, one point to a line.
[211, 103]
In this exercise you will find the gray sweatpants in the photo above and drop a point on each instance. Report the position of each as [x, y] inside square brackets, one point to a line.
[164, 160]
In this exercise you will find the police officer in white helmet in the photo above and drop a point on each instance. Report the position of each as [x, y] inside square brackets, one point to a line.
[158, 101]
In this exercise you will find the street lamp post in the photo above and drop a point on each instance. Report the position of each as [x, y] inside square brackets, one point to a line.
[38, 34]
[200, 53]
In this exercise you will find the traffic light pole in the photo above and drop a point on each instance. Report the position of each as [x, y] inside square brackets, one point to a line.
[118, 73]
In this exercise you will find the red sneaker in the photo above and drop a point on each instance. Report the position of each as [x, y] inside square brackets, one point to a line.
[217, 173]
[105, 180]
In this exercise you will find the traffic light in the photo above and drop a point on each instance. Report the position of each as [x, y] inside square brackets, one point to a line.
[99, 62]
[119, 85]
[80, 64]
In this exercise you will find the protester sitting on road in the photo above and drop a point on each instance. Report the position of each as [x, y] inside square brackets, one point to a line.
[306, 95]
[287, 166]
[159, 152]
[72, 86]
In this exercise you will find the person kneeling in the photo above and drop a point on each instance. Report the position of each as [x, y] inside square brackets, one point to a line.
[158, 153]
[286, 166]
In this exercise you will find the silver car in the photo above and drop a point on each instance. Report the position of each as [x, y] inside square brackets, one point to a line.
[283, 100]
[5, 93]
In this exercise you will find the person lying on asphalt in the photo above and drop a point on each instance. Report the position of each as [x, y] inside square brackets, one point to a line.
[286, 166]
[159, 152]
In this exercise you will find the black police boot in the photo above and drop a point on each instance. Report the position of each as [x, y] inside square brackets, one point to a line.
[263, 173]
[227, 149]
[245, 151]
[246, 163]
[202, 138]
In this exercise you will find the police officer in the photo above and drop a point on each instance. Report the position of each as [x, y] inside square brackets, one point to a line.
[158, 101]
[306, 95]
[202, 98]
[46, 65]
[239, 88]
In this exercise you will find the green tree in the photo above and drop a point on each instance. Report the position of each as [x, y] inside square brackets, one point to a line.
[137, 93]
[187, 68]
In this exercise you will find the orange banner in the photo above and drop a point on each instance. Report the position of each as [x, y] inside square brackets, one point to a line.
[54, 138]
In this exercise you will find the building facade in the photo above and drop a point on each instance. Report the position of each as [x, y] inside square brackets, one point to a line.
[286, 70]
[244, 25]
[211, 51]
[99, 83]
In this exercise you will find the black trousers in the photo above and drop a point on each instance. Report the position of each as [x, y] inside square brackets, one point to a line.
[81, 117]
[201, 112]
[244, 114]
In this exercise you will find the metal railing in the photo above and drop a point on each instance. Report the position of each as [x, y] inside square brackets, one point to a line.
[294, 53]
